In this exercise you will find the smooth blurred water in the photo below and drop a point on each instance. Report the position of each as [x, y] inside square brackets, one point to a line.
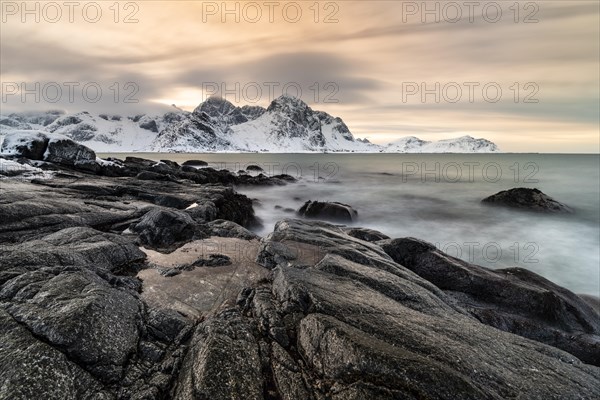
[437, 198]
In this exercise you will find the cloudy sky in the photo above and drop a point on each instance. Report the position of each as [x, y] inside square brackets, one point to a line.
[525, 77]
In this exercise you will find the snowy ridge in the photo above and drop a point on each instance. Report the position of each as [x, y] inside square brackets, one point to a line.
[288, 125]
[464, 144]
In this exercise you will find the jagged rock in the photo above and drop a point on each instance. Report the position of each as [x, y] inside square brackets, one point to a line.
[292, 118]
[513, 299]
[32, 367]
[230, 205]
[149, 125]
[164, 229]
[369, 235]
[331, 211]
[225, 228]
[223, 361]
[70, 328]
[68, 152]
[527, 199]
[80, 246]
[93, 323]
[367, 327]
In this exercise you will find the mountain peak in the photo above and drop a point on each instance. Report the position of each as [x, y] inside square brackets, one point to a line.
[215, 103]
[287, 102]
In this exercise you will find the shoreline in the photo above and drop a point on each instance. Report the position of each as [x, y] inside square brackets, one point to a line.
[135, 278]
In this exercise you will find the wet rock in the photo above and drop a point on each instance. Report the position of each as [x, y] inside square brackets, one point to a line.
[93, 323]
[263, 180]
[367, 327]
[31, 367]
[527, 199]
[152, 176]
[80, 246]
[230, 205]
[223, 361]
[166, 324]
[254, 168]
[195, 163]
[225, 228]
[214, 260]
[513, 299]
[369, 235]
[330, 211]
[170, 163]
[165, 230]
[72, 327]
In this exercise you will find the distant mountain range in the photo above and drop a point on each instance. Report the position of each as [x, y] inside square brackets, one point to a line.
[288, 125]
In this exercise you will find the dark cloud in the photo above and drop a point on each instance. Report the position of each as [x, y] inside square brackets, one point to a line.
[303, 69]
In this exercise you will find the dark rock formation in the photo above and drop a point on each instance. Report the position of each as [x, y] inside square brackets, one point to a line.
[150, 125]
[223, 361]
[527, 199]
[369, 235]
[165, 230]
[44, 146]
[513, 299]
[196, 163]
[32, 146]
[153, 176]
[73, 327]
[254, 168]
[330, 211]
[225, 228]
[354, 324]
[63, 153]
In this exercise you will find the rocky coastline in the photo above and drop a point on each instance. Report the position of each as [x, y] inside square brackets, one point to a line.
[132, 279]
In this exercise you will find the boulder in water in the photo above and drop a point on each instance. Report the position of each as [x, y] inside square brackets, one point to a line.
[195, 163]
[331, 211]
[527, 199]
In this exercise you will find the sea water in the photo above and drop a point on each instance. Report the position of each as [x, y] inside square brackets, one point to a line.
[437, 198]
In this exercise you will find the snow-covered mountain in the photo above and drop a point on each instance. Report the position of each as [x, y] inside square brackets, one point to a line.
[464, 144]
[102, 133]
[287, 125]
